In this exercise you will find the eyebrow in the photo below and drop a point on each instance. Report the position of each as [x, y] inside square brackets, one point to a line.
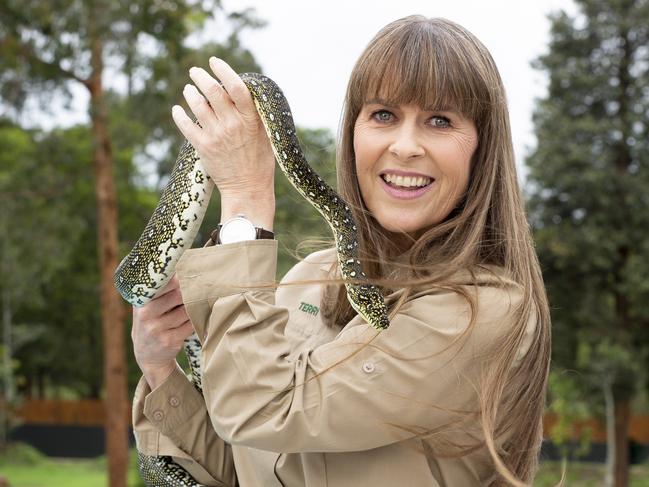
[381, 101]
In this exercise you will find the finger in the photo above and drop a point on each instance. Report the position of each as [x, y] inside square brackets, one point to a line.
[212, 90]
[200, 107]
[173, 318]
[170, 286]
[190, 130]
[183, 331]
[235, 87]
[161, 305]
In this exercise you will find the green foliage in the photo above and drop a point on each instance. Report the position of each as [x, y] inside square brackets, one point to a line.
[47, 44]
[33, 220]
[587, 191]
[57, 332]
[570, 405]
[57, 301]
[296, 220]
[21, 454]
[38, 232]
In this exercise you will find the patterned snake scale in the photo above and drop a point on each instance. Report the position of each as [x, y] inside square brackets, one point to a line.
[178, 216]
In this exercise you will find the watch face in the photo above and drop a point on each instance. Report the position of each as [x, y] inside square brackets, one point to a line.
[236, 230]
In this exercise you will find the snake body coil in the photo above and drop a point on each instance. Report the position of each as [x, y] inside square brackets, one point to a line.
[178, 216]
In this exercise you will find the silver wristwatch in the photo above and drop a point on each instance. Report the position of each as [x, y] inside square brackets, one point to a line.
[237, 229]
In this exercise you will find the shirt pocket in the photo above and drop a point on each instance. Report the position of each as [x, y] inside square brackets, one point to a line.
[303, 304]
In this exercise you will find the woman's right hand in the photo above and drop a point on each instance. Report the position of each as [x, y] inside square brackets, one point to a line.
[159, 330]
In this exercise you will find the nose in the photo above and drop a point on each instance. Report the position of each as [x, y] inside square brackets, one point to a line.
[405, 144]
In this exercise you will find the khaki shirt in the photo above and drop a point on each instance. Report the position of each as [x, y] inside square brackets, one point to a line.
[291, 402]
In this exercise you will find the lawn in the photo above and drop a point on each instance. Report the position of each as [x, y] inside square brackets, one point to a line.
[584, 474]
[25, 467]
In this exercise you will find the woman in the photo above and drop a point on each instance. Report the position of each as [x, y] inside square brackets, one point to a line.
[298, 389]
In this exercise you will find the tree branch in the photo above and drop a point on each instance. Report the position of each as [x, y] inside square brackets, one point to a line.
[30, 56]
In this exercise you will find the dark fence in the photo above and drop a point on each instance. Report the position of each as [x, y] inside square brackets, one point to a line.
[65, 440]
[75, 429]
[59, 428]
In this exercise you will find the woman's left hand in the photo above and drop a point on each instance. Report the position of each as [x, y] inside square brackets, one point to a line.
[231, 140]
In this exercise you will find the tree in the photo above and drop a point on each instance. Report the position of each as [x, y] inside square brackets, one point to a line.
[47, 46]
[66, 360]
[588, 202]
[34, 225]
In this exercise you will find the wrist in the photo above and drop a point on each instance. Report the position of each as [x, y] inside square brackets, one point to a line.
[156, 375]
[261, 212]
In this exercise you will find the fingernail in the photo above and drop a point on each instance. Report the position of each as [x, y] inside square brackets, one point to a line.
[192, 69]
[189, 88]
[213, 59]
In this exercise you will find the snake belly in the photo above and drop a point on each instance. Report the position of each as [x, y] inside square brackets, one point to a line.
[178, 216]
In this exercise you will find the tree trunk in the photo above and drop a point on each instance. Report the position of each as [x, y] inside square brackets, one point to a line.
[623, 160]
[116, 401]
[609, 401]
[7, 401]
[622, 414]
[41, 383]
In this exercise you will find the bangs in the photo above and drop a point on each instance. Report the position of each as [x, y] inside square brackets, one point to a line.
[426, 67]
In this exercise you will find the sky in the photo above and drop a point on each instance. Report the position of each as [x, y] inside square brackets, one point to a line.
[309, 48]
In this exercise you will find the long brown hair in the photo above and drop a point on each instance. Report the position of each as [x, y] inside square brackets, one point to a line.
[437, 63]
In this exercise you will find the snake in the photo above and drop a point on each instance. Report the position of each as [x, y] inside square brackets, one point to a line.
[176, 219]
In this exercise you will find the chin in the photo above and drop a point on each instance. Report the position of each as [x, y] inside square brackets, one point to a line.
[399, 227]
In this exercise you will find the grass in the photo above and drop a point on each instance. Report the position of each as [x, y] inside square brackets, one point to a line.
[25, 466]
[584, 474]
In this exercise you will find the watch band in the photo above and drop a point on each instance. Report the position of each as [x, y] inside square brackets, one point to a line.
[261, 233]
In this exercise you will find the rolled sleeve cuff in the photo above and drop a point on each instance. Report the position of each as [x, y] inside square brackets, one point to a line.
[208, 273]
[172, 403]
[148, 431]
[148, 438]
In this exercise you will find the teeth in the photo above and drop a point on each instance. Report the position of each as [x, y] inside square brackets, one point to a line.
[406, 181]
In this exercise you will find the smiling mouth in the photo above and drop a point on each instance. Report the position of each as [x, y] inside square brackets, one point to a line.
[405, 193]
[406, 188]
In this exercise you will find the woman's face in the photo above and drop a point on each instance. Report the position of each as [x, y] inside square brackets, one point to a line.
[406, 140]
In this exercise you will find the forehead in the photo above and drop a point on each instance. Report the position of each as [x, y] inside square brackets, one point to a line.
[424, 67]
[428, 88]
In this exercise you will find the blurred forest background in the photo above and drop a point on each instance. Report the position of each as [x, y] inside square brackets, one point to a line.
[74, 200]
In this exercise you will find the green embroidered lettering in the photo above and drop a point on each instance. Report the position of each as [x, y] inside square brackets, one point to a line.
[308, 308]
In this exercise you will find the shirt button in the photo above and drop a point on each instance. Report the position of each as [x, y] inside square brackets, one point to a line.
[158, 415]
[368, 367]
[174, 401]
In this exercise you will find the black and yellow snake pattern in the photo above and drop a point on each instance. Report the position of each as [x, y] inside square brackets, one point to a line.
[178, 216]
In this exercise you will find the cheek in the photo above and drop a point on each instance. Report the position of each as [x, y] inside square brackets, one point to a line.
[456, 157]
[366, 153]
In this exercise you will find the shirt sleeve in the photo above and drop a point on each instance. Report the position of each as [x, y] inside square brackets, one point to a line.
[176, 406]
[363, 390]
